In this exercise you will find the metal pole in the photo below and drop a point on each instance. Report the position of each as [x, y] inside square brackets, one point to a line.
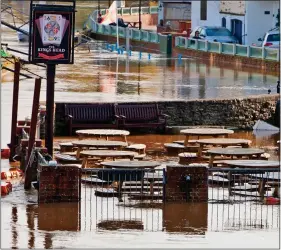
[12, 144]
[34, 116]
[49, 129]
[139, 14]
[117, 27]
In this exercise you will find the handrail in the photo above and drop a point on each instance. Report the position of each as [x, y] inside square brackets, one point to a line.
[228, 48]
[135, 34]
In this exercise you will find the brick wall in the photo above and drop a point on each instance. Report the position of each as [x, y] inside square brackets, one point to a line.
[176, 187]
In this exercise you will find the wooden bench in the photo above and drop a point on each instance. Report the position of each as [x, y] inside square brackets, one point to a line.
[94, 115]
[140, 116]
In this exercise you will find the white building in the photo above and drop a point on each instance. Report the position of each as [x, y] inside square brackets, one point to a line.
[174, 11]
[247, 20]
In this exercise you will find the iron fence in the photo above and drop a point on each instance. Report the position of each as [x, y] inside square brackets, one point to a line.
[234, 201]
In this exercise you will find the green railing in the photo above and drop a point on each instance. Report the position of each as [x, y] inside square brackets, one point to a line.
[228, 48]
[135, 34]
[241, 50]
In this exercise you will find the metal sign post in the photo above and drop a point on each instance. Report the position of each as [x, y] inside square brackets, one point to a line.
[51, 41]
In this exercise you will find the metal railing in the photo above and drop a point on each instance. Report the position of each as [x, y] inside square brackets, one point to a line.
[142, 205]
[135, 34]
[228, 48]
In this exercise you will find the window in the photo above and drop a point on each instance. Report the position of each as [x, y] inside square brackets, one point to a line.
[218, 32]
[273, 38]
[203, 10]
[223, 22]
[203, 32]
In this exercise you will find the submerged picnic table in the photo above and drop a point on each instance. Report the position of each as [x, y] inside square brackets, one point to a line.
[223, 142]
[102, 133]
[214, 132]
[258, 165]
[98, 144]
[234, 152]
[103, 154]
[252, 163]
[132, 165]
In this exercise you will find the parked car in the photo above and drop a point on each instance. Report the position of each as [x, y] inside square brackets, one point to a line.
[214, 34]
[271, 39]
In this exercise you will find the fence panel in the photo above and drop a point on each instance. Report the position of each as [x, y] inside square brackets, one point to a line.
[153, 37]
[271, 54]
[144, 35]
[201, 45]
[255, 52]
[241, 50]
[214, 47]
[153, 10]
[134, 11]
[122, 32]
[227, 48]
[136, 34]
[191, 43]
[107, 30]
[100, 28]
[113, 30]
[181, 42]
[126, 11]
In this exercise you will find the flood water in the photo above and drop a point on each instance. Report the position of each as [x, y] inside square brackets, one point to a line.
[100, 75]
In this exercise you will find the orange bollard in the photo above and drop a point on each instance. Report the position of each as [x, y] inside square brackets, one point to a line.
[3, 176]
[5, 153]
[271, 201]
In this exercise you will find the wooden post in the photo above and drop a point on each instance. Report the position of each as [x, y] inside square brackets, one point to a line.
[49, 128]
[35, 108]
[12, 144]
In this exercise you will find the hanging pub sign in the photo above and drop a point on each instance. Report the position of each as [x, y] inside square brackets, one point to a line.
[52, 36]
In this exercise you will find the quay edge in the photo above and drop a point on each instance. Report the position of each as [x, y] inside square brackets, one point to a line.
[241, 113]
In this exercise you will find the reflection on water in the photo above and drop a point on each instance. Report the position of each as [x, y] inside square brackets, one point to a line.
[65, 217]
[14, 228]
[105, 76]
[190, 218]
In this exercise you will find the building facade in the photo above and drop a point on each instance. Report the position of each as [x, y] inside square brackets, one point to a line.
[247, 20]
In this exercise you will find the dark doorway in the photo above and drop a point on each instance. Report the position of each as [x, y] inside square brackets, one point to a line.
[236, 29]
[223, 22]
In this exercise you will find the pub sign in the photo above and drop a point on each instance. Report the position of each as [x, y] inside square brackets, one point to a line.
[52, 35]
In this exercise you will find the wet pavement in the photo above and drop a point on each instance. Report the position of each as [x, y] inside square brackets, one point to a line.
[100, 75]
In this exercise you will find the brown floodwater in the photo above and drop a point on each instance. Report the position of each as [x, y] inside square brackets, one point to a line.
[100, 75]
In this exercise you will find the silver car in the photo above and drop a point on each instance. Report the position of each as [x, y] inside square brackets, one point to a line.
[271, 39]
[214, 34]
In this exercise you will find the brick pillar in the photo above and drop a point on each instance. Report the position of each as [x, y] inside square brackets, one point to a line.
[60, 183]
[186, 184]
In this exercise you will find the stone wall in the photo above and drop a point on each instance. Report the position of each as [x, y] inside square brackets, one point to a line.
[238, 112]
